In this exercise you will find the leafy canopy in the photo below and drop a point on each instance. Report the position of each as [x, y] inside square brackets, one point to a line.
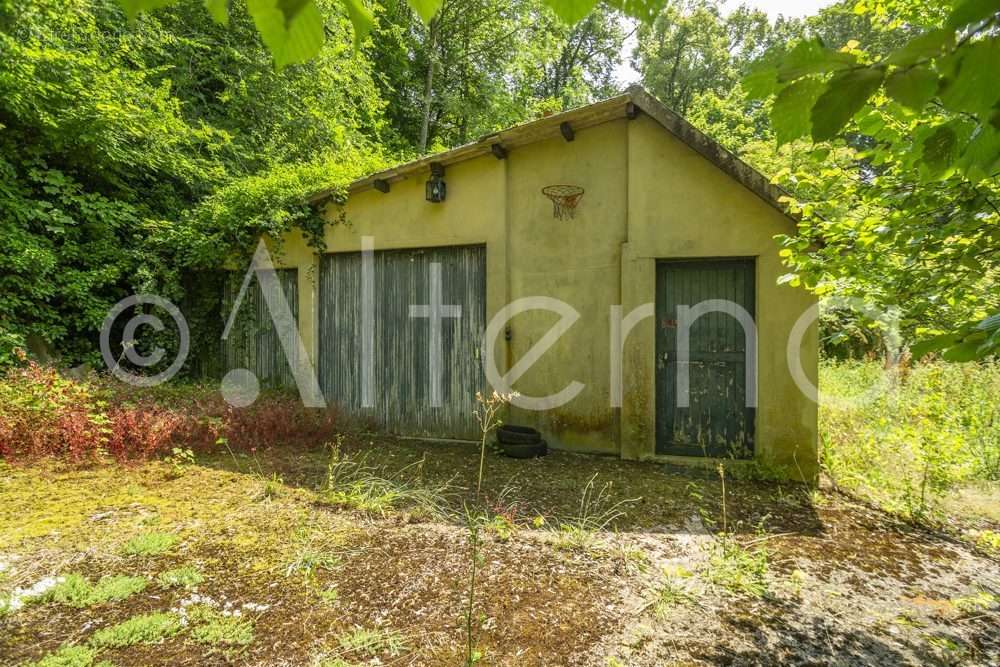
[293, 29]
[922, 122]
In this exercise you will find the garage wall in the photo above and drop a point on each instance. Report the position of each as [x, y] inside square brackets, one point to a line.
[577, 261]
[648, 197]
[682, 206]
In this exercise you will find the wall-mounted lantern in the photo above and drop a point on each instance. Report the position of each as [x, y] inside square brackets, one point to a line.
[437, 190]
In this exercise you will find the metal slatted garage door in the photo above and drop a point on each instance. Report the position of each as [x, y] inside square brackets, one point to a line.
[402, 400]
[254, 342]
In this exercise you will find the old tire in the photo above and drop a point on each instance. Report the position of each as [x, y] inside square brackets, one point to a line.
[509, 434]
[532, 450]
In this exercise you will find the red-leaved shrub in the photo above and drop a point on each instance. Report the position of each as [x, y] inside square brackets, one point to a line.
[43, 414]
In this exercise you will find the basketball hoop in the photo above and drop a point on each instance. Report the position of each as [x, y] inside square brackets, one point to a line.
[564, 199]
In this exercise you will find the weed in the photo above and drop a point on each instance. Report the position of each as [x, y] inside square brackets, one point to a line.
[818, 499]
[180, 460]
[796, 580]
[144, 629]
[628, 558]
[181, 577]
[570, 537]
[472, 525]
[150, 544]
[486, 414]
[502, 527]
[501, 517]
[907, 619]
[355, 484]
[910, 446]
[596, 513]
[952, 651]
[671, 593]
[74, 590]
[308, 561]
[989, 541]
[737, 569]
[371, 643]
[330, 594]
[979, 601]
[272, 487]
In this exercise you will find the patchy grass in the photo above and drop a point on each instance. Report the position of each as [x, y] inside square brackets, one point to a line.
[181, 577]
[737, 569]
[308, 562]
[976, 602]
[355, 570]
[372, 643]
[143, 629]
[355, 483]
[670, 594]
[150, 544]
[71, 656]
[74, 590]
[215, 628]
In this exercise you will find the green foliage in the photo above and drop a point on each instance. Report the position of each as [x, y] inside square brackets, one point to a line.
[74, 590]
[484, 65]
[180, 460]
[911, 446]
[115, 136]
[922, 224]
[143, 629]
[354, 483]
[738, 569]
[149, 544]
[671, 593]
[694, 48]
[293, 29]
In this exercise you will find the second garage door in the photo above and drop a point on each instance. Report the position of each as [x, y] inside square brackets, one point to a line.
[403, 395]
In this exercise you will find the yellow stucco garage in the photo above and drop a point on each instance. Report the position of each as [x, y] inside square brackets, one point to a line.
[667, 217]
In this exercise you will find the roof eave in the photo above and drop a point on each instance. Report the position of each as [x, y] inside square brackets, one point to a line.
[520, 135]
[582, 118]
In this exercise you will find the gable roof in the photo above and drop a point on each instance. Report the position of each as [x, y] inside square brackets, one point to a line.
[636, 99]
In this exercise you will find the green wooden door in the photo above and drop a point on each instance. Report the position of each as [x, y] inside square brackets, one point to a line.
[717, 421]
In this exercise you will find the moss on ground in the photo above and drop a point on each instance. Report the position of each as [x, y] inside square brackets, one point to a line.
[287, 577]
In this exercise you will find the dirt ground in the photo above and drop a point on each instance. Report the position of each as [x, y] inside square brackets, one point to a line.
[581, 561]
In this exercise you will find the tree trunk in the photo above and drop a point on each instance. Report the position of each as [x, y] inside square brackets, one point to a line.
[425, 125]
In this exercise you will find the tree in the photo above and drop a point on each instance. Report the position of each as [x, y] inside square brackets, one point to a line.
[924, 123]
[692, 49]
[112, 135]
[582, 59]
[482, 65]
[293, 29]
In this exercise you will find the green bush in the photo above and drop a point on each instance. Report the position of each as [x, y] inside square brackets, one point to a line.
[932, 429]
